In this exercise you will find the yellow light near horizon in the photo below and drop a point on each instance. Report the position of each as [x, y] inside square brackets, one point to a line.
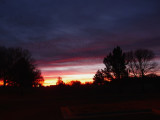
[49, 82]
[1, 82]
[67, 78]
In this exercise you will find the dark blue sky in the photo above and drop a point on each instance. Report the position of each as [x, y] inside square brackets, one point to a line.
[73, 32]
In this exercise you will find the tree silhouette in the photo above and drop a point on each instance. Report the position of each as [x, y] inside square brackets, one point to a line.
[99, 78]
[131, 64]
[140, 62]
[37, 77]
[5, 64]
[60, 81]
[75, 83]
[18, 68]
[115, 64]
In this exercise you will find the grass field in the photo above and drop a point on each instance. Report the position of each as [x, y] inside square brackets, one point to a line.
[47, 104]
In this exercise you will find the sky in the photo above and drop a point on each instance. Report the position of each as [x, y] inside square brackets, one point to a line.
[70, 38]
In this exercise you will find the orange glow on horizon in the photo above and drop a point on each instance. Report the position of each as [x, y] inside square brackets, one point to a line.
[83, 78]
[1, 82]
[68, 72]
[51, 80]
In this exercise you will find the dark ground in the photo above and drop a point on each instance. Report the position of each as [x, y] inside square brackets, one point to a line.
[45, 104]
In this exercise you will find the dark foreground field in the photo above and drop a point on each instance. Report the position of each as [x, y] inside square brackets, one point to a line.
[82, 104]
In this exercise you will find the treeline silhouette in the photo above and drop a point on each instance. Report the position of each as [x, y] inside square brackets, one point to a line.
[121, 65]
[17, 68]
[124, 71]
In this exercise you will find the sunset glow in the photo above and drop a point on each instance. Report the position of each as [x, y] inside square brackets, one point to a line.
[70, 38]
[83, 73]
[1, 82]
[67, 78]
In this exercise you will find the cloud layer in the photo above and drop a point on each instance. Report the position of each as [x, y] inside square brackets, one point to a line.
[65, 34]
